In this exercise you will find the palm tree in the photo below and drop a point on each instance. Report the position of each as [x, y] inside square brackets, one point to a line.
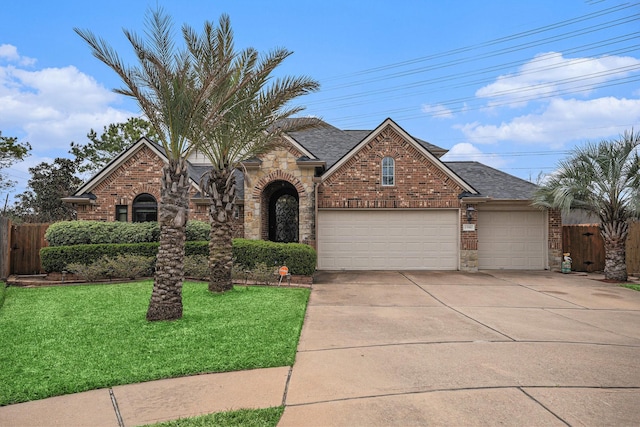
[177, 95]
[255, 119]
[602, 179]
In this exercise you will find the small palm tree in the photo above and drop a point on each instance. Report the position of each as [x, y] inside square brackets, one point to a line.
[177, 95]
[255, 119]
[602, 179]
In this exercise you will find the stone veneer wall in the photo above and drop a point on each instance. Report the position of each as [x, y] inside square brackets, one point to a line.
[469, 241]
[279, 165]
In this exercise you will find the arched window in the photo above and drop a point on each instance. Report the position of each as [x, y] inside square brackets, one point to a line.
[145, 208]
[388, 171]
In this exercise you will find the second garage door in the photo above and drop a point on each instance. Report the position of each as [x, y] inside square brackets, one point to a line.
[514, 240]
[388, 240]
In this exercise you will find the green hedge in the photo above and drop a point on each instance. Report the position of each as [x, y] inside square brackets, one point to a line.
[300, 258]
[56, 258]
[68, 233]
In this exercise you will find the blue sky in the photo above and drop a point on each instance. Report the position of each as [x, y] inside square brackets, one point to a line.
[512, 84]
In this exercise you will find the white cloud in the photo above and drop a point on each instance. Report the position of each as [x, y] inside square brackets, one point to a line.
[53, 106]
[562, 120]
[438, 111]
[468, 152]
[10, 53]
[550, 74]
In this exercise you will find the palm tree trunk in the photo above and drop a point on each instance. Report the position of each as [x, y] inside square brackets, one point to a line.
[173, 209]
[615, 237]
[221, 190]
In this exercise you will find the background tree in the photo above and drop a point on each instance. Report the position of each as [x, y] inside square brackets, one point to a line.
[49, 182]
[254, 122]
[11, 151]
[177, 94]
[603, 179]
[115, 138]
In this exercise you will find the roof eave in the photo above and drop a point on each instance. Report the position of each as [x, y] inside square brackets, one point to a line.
[79, 200]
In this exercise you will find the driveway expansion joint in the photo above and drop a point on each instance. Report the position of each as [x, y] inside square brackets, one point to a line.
[458, 311]
[114, 402]
[543, 406]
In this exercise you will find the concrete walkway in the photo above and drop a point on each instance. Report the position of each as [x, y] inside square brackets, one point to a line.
[153, 401]
[416, 348]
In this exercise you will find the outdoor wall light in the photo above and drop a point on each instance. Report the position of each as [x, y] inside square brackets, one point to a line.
[470, 210]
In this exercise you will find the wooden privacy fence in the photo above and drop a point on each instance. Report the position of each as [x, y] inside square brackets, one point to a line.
[5, 248]
[586, 246]
[20, 248]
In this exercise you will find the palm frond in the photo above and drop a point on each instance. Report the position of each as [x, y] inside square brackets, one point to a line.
[601, 178]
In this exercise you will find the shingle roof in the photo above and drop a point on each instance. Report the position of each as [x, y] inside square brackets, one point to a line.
[491, 182]
[326, 142]
[330, 144]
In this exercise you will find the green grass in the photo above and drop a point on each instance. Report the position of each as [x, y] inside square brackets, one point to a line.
[631, 286]
[61, 340]
[243, 418]
[3, 291]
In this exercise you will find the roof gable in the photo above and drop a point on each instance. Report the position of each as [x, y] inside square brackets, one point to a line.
[114, 164]
[418, 146]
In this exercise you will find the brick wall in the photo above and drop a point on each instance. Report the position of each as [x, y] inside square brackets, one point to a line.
[418, 182]
[555, 239]
[139, 173]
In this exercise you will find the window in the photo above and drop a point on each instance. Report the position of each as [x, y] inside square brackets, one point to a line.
[144, 208]
[121, 213]
[388, 171]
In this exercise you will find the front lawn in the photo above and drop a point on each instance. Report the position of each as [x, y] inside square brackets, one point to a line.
[60, 340]
[268, 417]
[631, 286]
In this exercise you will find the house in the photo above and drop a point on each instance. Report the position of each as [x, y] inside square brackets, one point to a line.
[379, 199]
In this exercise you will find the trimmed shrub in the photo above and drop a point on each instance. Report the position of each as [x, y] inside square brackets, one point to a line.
[56, 258]
[300, 258]
[197, 248]
[198, 230]
[263, 274]
[67, 233]
[119, 267]
[196, 267]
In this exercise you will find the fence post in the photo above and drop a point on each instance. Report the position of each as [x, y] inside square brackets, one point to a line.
[5, 247]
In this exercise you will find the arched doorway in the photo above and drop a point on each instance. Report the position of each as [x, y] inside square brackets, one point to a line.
[281, 200]
[145, 208]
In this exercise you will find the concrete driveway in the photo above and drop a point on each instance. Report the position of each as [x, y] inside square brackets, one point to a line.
[449, 348]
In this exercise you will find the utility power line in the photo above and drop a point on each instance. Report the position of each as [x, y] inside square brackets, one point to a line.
[367, 82]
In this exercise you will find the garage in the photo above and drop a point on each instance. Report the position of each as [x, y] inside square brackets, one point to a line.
[388, 240]
[514, 240]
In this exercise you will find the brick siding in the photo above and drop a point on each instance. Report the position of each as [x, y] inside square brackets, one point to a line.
[419, 183]
[139, 173]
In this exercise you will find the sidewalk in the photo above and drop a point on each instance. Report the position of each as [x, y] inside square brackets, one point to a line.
[153, 401]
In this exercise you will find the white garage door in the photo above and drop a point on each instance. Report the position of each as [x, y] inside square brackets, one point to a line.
[388, 240]
[512, 240]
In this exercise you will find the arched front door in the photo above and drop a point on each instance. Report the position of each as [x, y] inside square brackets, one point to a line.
[281, 198]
